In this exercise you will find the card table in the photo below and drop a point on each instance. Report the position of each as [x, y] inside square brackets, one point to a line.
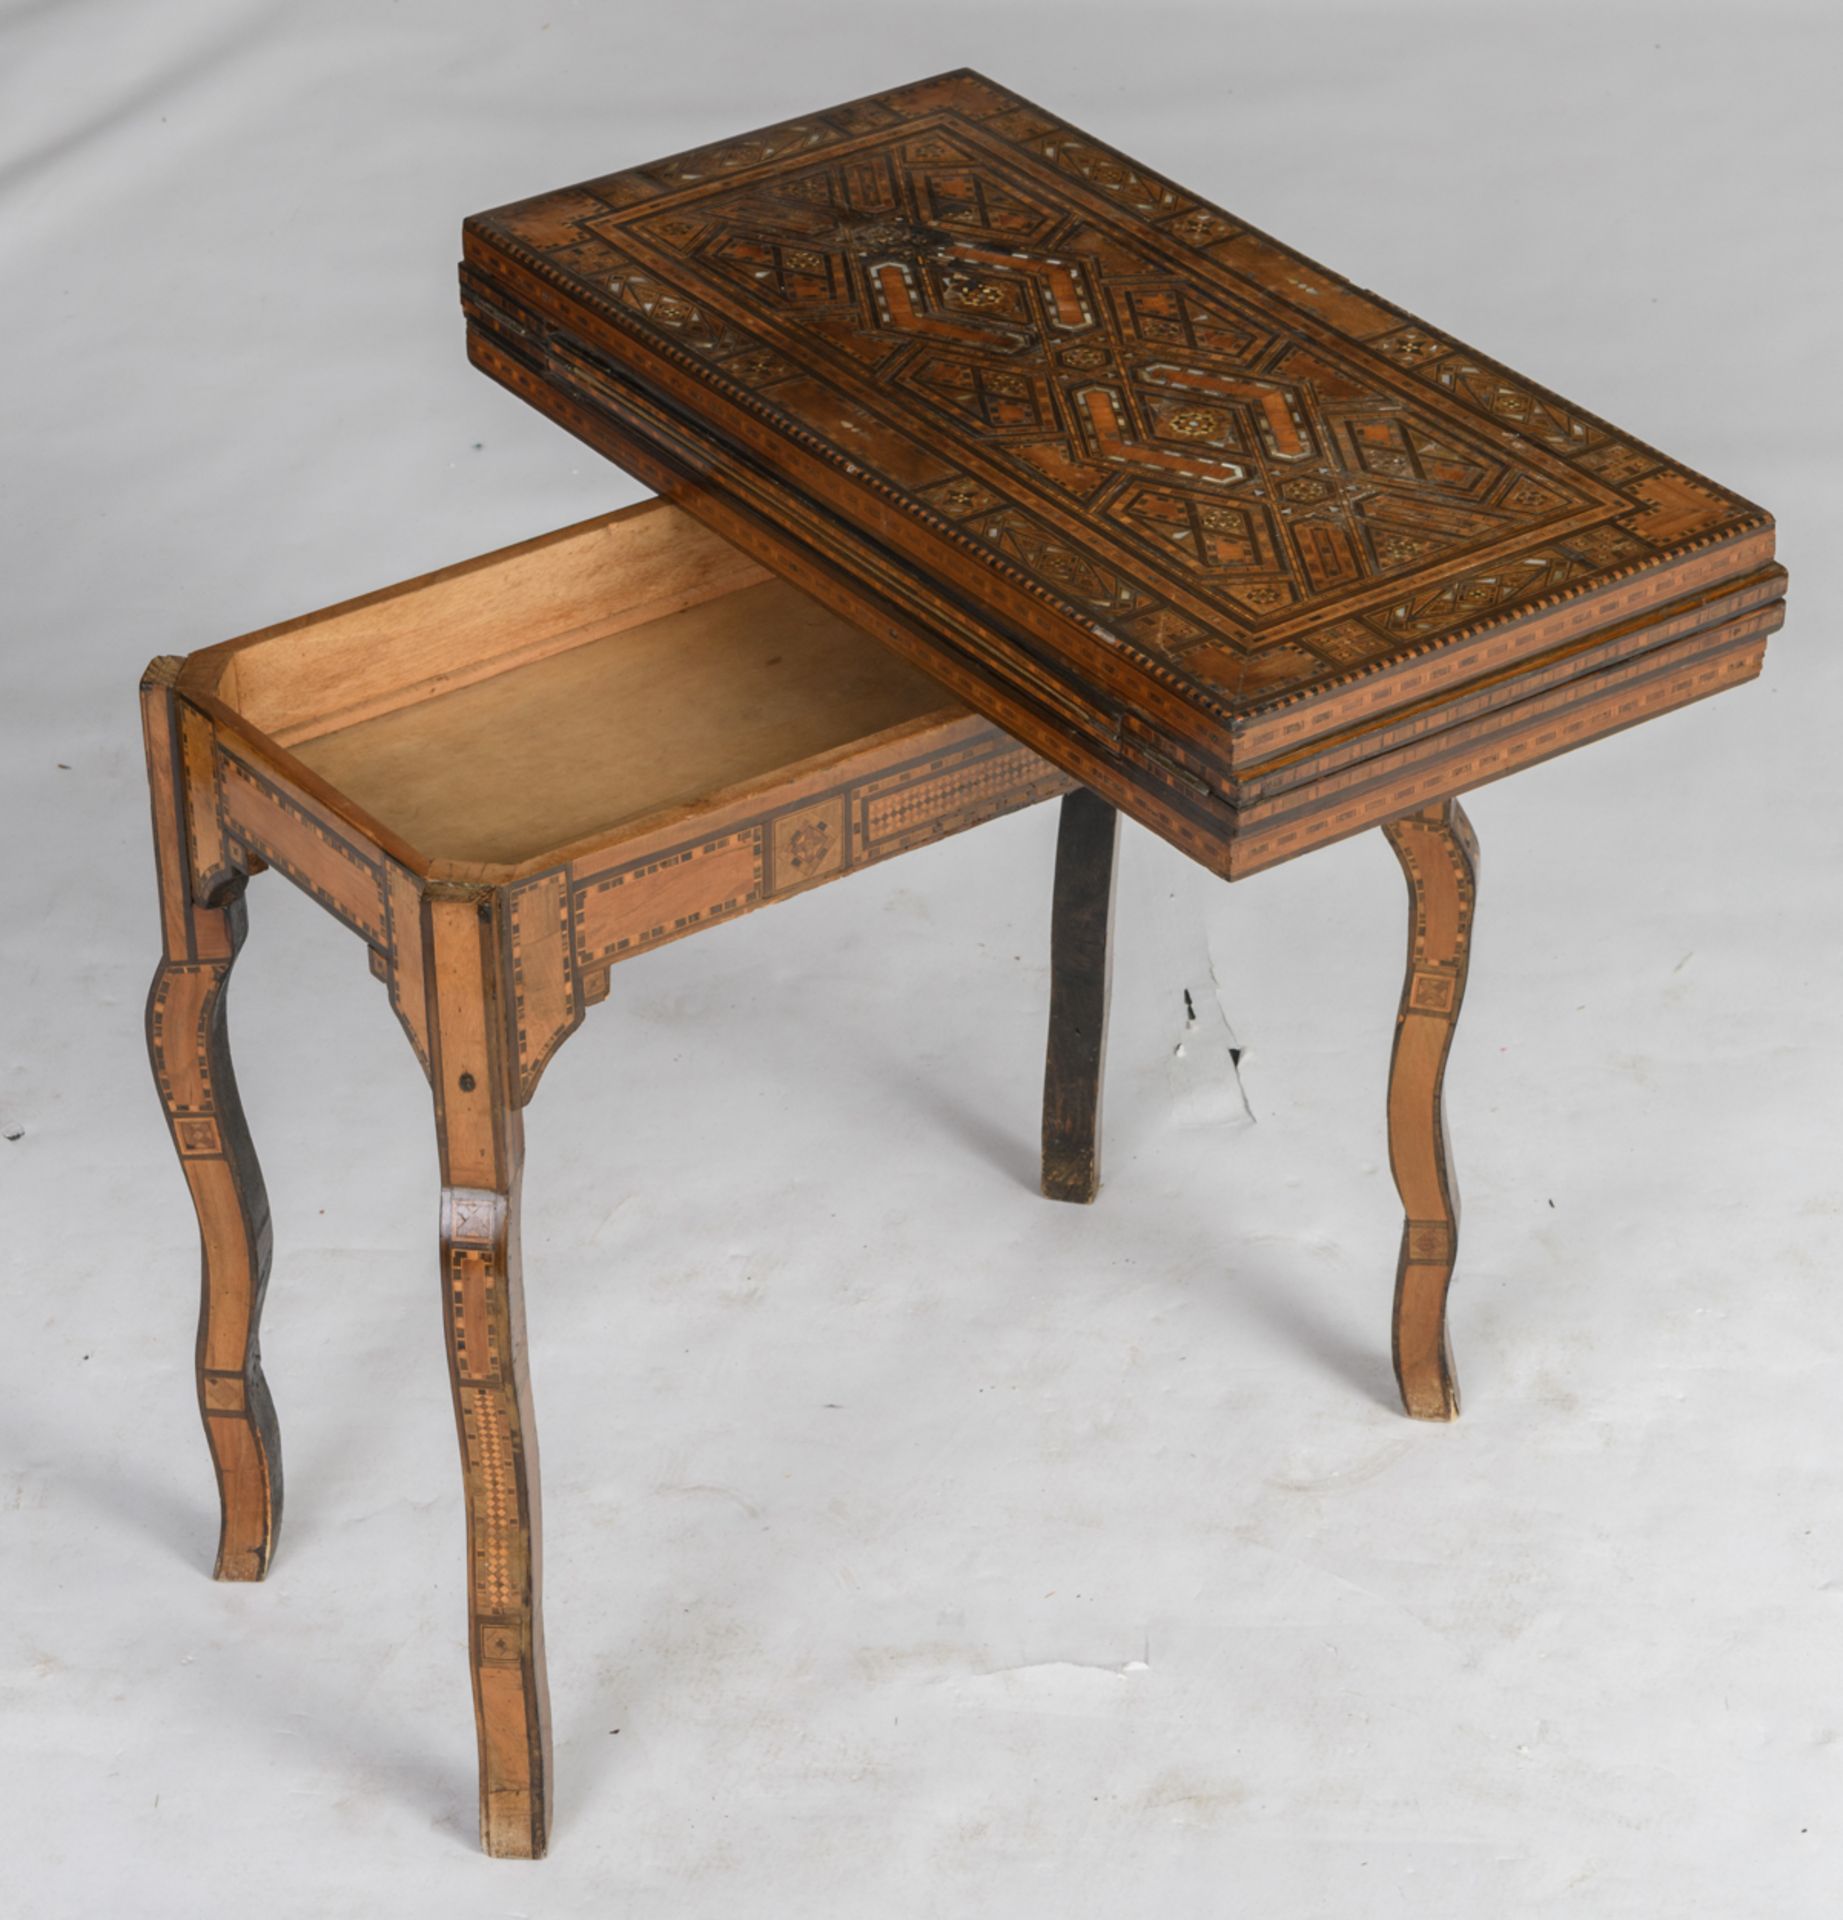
[992, 466]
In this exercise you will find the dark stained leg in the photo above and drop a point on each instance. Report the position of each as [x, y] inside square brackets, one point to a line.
[1439, 856]
[189, 1048]
[481, 1136]
[1081, 935]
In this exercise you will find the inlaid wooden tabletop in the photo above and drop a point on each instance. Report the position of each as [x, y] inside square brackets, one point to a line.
[1257, 554]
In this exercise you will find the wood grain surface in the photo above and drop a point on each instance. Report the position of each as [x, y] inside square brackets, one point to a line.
[480, 1132]
[189, 1047]
[1081, 978]
[1439, 857]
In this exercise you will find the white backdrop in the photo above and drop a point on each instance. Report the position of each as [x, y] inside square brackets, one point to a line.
[933, 1550]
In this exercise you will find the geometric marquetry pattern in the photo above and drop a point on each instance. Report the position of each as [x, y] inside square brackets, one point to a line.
[487, 1438]
[1429, 1240]
[543, 972]
[300, 843]
[1435, 977]
[1275, 835]
[666, 895]
[897, 810]
[474, 1251]
[1227, 460]
[625, 909]
[569, 925]
[179, 1016]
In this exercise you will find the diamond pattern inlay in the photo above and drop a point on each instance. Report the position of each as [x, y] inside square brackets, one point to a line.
[1190, 439]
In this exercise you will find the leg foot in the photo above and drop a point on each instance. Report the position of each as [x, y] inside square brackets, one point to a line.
[1081, 933]
[189, 1049]
[481, 1136]
[1439, 856]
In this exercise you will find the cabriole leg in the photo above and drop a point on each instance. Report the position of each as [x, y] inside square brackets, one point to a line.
[1439, 856]
[1081, 935]
[189, 1047]
[481, 1137]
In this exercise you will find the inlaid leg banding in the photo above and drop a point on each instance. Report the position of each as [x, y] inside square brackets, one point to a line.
[1439, 856]
[481, 1135]
[189, 1049]
[1081, 965]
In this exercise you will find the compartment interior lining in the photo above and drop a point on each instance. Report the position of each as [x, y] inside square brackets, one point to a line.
[610, 729]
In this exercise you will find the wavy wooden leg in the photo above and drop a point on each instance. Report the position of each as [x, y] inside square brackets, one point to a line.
[481, 1135]
[1081, 966]
[189, 1047]
[1439, 856]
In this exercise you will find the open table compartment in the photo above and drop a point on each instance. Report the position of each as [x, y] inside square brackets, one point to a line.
[630, 726]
